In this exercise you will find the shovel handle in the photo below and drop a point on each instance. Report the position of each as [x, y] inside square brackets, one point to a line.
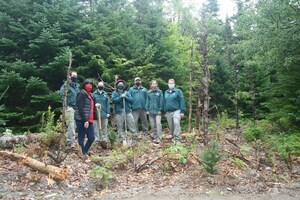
[99, 116]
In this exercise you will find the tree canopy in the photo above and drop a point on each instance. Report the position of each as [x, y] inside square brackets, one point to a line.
[253, 56]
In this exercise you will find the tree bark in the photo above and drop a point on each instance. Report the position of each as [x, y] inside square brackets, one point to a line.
[54, 172]
[235, 96]
[205, 84]
[199, 111]
[191, 88]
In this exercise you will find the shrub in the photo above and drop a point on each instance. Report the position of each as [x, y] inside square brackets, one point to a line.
[183, 152]
[254, 133]
[49, 137]
[286, 146]
[238, 162]
[101, 173]
[112, 137]
[259, 131]
[211, 157]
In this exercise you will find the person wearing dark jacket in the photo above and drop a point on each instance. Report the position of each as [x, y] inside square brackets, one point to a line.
[174, 106]
[101, 99]
[122, 101]
[70, 106]
[139, 96]
[154, 108]
[84, 116]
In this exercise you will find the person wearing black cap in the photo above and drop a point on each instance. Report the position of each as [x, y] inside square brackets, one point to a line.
[139, 97]
[84, 116]
[123, 111]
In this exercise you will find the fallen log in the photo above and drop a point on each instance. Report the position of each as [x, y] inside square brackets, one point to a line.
[53, 172]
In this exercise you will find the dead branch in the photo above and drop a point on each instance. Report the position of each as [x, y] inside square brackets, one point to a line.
[4, 92]
[54, 172]
[57, 158]
[146, 164]
[231, 142]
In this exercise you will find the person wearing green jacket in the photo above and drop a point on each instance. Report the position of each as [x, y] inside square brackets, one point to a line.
[123, 112]
[154, 108]
[139, 96]
[174, 106]
[101, 98]
[71, 106]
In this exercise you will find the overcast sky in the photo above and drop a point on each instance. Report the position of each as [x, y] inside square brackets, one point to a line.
[226, 6]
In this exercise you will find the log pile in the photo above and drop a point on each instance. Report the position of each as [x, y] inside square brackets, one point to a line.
[8, 141]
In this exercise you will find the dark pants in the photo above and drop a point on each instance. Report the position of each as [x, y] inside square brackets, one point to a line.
[81, 135]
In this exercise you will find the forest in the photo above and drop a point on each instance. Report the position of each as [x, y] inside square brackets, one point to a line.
[242, 73]
[246, 67]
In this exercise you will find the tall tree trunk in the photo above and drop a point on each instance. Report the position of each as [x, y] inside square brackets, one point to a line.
[199, 106]
[235, 95]
[191, 88]
[205, 84]
[63, 118]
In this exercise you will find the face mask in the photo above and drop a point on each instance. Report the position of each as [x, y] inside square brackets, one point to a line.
[73, 79]
[171, 86]
[88, 87]
[120, 87]
[100, 87]
[138, 84]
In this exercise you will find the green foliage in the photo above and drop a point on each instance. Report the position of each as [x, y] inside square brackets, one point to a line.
[211, 156]
[245, 149]
[181, 150]
[47, 121]
[102, 173]
[8, 132]
[254, 133]
[112, 137]
[260, 44]
[258, 131]
[49, 137]
[19, 148]
[238, 162]
[286, 145]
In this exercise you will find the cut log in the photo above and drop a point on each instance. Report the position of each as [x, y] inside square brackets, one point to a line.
[53, 172]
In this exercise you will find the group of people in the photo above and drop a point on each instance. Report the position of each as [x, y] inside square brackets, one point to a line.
[129, 107]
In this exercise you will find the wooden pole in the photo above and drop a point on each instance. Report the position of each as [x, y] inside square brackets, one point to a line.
[63, 119]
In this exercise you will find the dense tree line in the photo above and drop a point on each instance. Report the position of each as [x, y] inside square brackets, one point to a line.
[253, 57]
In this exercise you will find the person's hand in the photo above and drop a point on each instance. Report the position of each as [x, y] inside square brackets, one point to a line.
[123, 95]
[159, 113]
[86, 124]
[147, 113]
[98, 105]
[107, 115]
[181, 115]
